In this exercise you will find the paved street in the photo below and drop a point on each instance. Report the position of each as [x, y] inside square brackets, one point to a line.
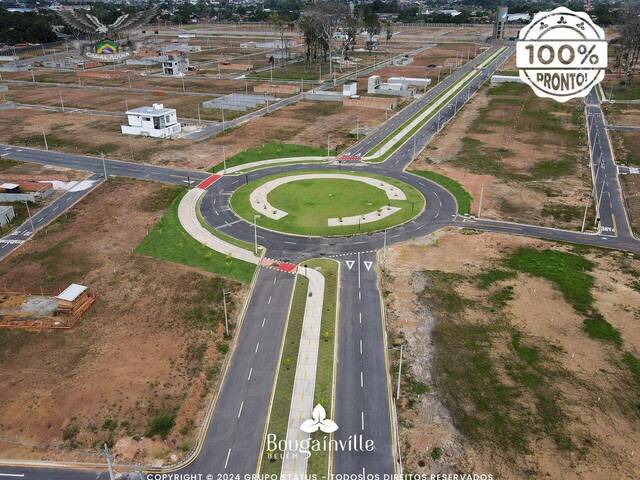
[606, 186]
[362, 395]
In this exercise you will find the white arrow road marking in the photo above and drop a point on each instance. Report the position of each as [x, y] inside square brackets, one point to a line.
[350, 264]
[368, 264]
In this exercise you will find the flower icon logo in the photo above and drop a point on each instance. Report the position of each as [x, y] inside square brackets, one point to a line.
[319, 421]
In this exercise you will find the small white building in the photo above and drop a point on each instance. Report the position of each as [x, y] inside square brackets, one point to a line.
[349, 89]
[155, 121]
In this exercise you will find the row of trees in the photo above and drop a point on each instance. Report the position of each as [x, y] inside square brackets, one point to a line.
[323, 24]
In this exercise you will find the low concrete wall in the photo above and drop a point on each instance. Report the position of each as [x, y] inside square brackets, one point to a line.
[324, 96]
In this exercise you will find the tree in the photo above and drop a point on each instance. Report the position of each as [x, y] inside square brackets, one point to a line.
[372, 24]
[318, 25]
[388, 30]
[629, 47]
[281, 24]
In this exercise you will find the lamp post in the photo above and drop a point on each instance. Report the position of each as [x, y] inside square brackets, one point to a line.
[226, 317]
[255, 234]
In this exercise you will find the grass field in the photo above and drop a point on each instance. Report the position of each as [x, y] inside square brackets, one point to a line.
[169, 241]
[270, 151]
[458, 191]
[271, 463]
[309, 203]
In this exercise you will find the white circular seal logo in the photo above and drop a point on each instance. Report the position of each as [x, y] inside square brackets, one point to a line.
[561, 54]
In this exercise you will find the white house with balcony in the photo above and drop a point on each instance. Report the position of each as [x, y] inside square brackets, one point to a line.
[155, 121]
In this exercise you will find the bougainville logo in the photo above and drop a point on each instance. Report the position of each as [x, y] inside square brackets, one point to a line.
[561, 54]
[319, 421]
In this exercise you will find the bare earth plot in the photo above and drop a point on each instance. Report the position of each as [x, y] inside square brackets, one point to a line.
[521, 357]
[76, 133]
[530, 154]
[626, 144]
[140, 365]
[306, 123]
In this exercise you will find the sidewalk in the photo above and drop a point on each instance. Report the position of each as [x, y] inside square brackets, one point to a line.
[294, 465]
[190, 222]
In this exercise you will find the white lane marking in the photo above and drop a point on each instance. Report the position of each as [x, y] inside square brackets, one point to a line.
[275, 279]
[264, 320]
[250, 372]
[257, 346]
[359, 271]
[359, 295]
[360, 346]
[362, 420]
[226, 462]
[240, 411]
[12, 475]
[269, 302]
[361, 379]
[360, 316]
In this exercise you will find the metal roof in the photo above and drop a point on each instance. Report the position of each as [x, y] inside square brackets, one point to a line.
[9, 186]
[72, 292]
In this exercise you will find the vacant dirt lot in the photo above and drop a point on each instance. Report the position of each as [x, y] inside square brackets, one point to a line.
[626, 144]
[631, 189]
[529, 153]
[141, 363]
[303, 123]
[503, 374]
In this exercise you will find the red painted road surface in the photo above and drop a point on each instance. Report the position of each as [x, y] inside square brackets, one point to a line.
[207, 182]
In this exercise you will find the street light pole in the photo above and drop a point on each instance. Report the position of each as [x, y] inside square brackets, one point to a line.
[109, 466]
[399, 373]
[224, 160]
[226, 318]
[104, 166]
[46, 145]
[29, 215]
[255, 234]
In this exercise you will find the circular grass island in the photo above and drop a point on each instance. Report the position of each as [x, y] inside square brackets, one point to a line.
[327, 202]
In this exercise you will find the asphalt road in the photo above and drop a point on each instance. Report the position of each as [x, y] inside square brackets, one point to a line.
[362, 395]
[606, 186]
[234, 438]
[43, 217]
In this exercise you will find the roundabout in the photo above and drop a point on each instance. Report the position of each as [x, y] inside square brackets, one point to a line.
[327, 203]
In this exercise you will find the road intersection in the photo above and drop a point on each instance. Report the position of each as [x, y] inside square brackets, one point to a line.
[233, 438]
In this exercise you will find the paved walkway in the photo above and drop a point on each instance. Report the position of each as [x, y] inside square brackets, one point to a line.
[276, 161]
[190, 222]
[260, 203]
[366, 218]
[294, 465]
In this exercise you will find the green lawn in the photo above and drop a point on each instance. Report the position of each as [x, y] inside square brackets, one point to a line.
[284, 385]
[463, 197]
[169, 241]
[309, 203]
[270, 151]
[318, 463]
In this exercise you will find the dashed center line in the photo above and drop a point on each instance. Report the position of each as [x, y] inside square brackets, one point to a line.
[250, 372]
[226, 462]
[240, 410]
[257, 346]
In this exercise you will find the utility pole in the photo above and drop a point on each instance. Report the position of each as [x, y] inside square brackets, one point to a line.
[480, 204]
[108, 458]
[199, 119]
[399, 373]
[226, 318]
[46, 145]
[104, 166]
[328, 149]
[222, 108]
[33, 230]
[61, 102]
[384, 251]
[357, 128]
